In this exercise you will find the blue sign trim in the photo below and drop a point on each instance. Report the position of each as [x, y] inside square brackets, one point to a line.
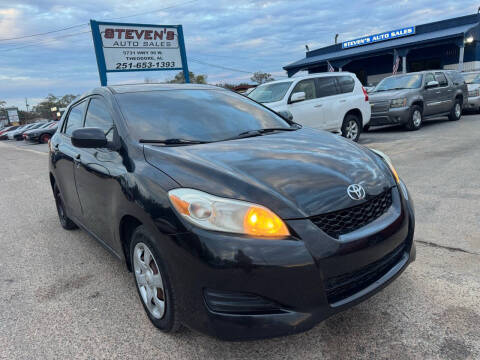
[98, 45]
[388, 35]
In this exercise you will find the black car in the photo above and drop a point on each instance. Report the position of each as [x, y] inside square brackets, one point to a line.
[234, 221]
[19, 134]
[42, 134]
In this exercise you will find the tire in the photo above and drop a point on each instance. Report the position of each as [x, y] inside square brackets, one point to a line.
[65, 221]
[143, 246]
[44, 138]
[366, 128]
[351, 127]
[415, 119]
[456, 112]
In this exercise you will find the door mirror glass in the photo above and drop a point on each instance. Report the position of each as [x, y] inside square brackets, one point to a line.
[298, 96]
[89, 138]
[431, 84]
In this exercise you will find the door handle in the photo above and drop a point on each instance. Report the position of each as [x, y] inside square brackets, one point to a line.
[342, 100]
[317, 106]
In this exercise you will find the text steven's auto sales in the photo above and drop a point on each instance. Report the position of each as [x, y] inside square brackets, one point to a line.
[379, 37]
[126, 35]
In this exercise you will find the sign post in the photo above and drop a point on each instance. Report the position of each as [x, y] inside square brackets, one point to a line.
[121, 47]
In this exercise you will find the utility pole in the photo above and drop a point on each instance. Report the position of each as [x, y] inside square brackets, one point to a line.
[26, 114]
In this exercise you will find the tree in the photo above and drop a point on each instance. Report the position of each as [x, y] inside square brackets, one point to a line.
[44, 107]
[2, 104]
[261, 77]
[194, 79]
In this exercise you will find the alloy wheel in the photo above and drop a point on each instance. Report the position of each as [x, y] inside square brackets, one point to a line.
[458, 110]
[417, 118]
[351, 130]
[149, 280]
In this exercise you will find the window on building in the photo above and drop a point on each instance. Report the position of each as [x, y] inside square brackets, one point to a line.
[442, 80]
[327, 86]
[75, 118]
[308, 87]
[346, 84]
[98, 116]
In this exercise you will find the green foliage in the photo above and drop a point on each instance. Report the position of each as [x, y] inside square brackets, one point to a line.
[194, 79]
[43, 108]
[261, 77]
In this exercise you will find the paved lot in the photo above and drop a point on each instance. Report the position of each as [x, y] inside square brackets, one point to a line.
[62, 295]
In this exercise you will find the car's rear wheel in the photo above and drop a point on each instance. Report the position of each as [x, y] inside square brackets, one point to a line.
[44, 138]
[65, 221]
[351, 127]
[456, 112]
[416, 118]
[153, 282]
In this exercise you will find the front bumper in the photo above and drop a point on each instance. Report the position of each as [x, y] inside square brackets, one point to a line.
[390, 117]
[291, 275]
[473, 103]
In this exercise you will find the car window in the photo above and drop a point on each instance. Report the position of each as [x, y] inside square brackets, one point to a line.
[308, 87]
[270, 92]
[346, 84]
[98, 116]
[442, 80]
[75, 118]
[326, 86]
[429, 77]
[456, 78]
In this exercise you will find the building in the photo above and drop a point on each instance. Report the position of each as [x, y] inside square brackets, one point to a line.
[447, 44]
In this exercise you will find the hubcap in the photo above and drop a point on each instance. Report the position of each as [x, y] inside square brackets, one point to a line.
[352, 130]
[149, 280]
[458, 110]
[417, 118]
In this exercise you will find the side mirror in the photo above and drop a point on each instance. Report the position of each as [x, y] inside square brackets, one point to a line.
[298, 96]
[89, 138]
[287, 115]
[431, 84]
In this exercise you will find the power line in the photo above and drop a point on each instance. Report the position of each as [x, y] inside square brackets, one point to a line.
[220, 66]
[116, 18]
[46, 41]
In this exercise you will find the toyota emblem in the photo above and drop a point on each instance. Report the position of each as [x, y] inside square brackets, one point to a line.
[356, 192]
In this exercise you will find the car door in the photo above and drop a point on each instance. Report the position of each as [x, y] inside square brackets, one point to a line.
[331, 101]
[308, 112]
[431, 97]
[445, 92]
[95, 173]
[65, 156]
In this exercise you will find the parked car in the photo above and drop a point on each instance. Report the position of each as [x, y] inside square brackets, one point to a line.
[5, 130]
[234, 221]
[335, 102]
[18, 134]
[42, 134]
[409, 99]
[472, 79]
[9, 134]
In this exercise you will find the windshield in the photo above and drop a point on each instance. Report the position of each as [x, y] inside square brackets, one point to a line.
[473, 78]
[197, 115]
[400, 82]
[270, 92]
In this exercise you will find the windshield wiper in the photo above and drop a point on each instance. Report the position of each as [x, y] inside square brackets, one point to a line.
[173, 142]
[263, 131]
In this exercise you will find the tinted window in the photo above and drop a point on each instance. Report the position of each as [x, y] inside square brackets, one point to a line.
[442, 80]
[326, 86]
[429, 77]
[400, 82]
[270, 92]
[204, 115]
[75, 118]
[346, 84]
[308, 87]
[98, 116]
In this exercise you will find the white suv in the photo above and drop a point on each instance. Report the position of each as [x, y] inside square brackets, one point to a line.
[334, 101]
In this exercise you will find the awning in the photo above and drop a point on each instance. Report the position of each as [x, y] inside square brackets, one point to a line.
[410, 42]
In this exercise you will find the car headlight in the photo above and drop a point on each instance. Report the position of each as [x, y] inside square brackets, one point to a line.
[389, 163]
[474, 93]
[396, 103]
[227, 215]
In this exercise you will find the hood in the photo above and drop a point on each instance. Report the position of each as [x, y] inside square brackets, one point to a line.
[472, 87]
[296, 174]
[389, 95]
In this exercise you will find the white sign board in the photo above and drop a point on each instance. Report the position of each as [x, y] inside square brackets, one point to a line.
[12, 114]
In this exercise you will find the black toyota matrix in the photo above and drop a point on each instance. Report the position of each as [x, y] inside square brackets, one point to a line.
[234, 221]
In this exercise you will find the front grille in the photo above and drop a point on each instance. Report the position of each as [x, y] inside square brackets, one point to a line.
[345, 285]
[347, 220]
[381, 106]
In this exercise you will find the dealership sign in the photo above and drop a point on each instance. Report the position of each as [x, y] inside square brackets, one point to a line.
[123, 47]
[389, 35]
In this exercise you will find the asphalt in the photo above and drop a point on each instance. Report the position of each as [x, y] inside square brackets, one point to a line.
[63, 296]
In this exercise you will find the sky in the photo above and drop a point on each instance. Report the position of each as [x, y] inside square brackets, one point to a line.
[238, 37]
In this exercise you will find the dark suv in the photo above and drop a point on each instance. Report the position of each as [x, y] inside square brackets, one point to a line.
[409, 99]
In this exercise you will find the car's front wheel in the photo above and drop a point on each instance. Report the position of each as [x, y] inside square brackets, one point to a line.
[153, 282]
[456, 112]
[416, 118]
[351, 127]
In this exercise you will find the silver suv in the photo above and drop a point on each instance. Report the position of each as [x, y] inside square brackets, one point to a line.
[409, 99]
